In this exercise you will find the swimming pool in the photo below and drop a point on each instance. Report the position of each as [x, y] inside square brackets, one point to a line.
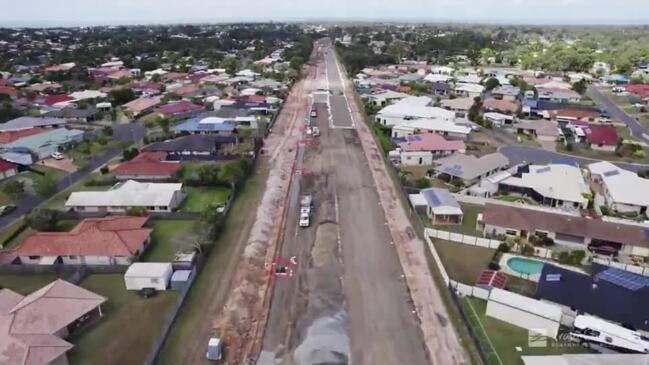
[525, 266]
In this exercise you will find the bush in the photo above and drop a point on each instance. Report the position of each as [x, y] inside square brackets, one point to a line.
[136, 211]
[104, 170]
[494, 266]
[43, 219]
[102, 140]
[605, 210]
[503, 247]
[422, 183]
[14, 188]
[84, 148]
[106, 180]
[129, 154]
[528, 250]
[107, 131]
[45, 186]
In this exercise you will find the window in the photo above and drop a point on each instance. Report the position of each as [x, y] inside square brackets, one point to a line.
[154, 280]
[34, 257]
[72, 257]
[511, 232]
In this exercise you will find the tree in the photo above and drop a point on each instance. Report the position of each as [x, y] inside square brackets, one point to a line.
[45, 186]
[491, 83]
[580, 86]
[43, 219]
[14, 188]
[107, 131]
[164, 123]
[122, 96]
[129, 154]
[231, 172]
[208, 174]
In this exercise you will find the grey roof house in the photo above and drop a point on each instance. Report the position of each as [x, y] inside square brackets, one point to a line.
[470, 169]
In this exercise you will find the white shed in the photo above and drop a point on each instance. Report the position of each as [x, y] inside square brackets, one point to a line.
[142, 275]
[541, 317]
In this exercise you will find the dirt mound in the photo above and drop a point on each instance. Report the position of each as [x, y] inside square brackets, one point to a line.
[325, 246]
[326, 342]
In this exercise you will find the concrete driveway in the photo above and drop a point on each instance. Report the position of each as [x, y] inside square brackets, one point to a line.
[64, 164]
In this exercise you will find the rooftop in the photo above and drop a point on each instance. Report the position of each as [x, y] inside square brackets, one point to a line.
[430, 142]
[147, 164]
[469, 167]
[127, 194]
[556, 181]
[623, 186]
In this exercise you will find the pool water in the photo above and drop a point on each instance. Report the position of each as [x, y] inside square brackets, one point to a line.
[525, 266]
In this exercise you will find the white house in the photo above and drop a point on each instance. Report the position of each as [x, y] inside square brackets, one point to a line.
[623, 190]
[412, 107]
[442, 127]
[469, 90]
[142, 275]
[154, 197]
[386, 97]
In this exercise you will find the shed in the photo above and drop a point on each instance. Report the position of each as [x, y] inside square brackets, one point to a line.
[442, 207]
[180, 279]
[142, 275]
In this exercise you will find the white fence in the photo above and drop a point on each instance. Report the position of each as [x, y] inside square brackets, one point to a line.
[622, 266]
[462, 238]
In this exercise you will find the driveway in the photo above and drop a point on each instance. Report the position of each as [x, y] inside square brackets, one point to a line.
[519, 154]
[131, 133]
[65, 164]
[637, 129]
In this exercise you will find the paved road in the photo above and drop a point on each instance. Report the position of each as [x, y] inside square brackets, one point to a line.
[519, 154]
[637, 129]
[131, 132]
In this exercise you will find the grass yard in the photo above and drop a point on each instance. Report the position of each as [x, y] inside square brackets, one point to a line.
[468, 222]
[169, 237]
[26, 283]
[601, 155]
[129, 327]
[199, 198]
[33, 178]
[511, 198]
[463, 262]
[520, 286]
[505, 337]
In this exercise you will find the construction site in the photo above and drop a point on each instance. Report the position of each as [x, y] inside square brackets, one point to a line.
[352, 285]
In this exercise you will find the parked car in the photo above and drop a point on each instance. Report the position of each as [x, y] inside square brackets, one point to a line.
[305, 210]
[6, 209]
[57, 155]
[305, 221]
[214, 349]
[316, 131]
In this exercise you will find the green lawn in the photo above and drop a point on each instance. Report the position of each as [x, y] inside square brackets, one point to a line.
[26, 283]
[515, 198]
[33, 177]
[505, 337]
[600, 155]
[199, 198]
[469, 221]
[129, 327]
[169, 237]
[463, 262]
[520, 286]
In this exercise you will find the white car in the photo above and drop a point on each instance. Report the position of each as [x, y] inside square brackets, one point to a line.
[316, 131]
[57, 155]
[305, 210]
[305, 221]
[309, 131]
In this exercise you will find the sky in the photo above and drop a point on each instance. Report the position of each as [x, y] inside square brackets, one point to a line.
[101, 12]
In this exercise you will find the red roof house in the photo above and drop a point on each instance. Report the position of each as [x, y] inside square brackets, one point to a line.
[602, 136]
[10, 136]
[641, 90]
[113, 240]
[7, 169]
[8, 90]
[54, 99]
[146, 166]
[503, 106]
[181, 108]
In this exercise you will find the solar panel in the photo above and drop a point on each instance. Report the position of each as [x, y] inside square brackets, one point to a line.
[542, 170]
[624, 279]
[553, 277]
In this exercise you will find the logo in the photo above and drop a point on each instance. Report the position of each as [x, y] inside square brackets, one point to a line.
[537, 337]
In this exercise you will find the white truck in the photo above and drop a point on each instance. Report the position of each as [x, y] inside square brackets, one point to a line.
[306, 202]
[214, 349]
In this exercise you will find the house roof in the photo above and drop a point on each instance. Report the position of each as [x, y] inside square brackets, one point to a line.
[194, 142]
[6, 165]
[540, 127]
[576, 113]
[110, 236]
[57, 136]
[601, 135]
[87, 94]
[28, 323]
[470, 88]
[436, 125]
[10, 136]
[469, 167]
[30, 122]
[458, 103]
[508, 90]
[589, 294]
[147, 164]
[556, 181]
[506, 106]
[179, 107]
[430, 142]
[138, 105]
[127, 194]
[441, 201]
[148, 269]
[623, 186]
[531, 219]
[55, 99]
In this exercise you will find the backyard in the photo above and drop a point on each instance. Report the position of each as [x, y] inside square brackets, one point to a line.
[170, 237]
[30, 178]
[504, 344]
[129, 326]
[462, 262]
[25, 283]
[199, 198]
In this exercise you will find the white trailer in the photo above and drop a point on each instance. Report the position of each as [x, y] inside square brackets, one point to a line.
[142, 275]
[592, 330]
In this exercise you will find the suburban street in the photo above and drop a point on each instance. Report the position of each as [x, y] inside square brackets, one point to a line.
[129, 132]
[519, 154]
[637, 129]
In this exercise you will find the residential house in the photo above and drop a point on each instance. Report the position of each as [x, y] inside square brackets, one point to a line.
[87, 95]
[385, 97]
[469, 90]
[499, 119]
[209, 125]
[558, 95]
[147, 166]
[412, 107]
[195, 147]
[597, 136]
[141, 105]
[94, 241]
[442, 127]
[555, 185]
[440, 88]
[567, 115]
[33, 327]
[543, 130]
[180, 109]
[439, 204]
[154, 197]
[566, 228]
[32, 122]
[460, 106]
[470, 169]
[438, 78]
[42, 145]
[624, 191]
[10, 91]
[10, 136]
[89, 114]
[469, 79]
[422, 149]
[506, 92]
[7, 169]
[510, 107]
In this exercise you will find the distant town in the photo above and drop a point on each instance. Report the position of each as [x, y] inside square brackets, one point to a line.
[276, 193]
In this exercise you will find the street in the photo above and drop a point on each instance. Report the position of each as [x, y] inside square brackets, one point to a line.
[637, 129]
[520, 154]
[131, 133]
